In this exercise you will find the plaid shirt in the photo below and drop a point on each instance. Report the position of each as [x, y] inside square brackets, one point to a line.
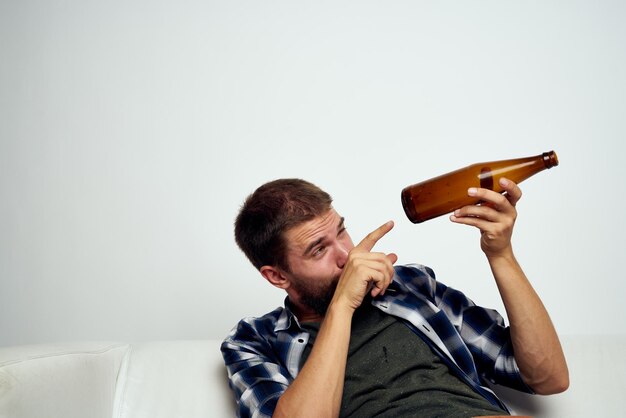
[263, 354]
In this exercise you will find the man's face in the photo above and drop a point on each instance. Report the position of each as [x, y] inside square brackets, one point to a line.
[317, 251]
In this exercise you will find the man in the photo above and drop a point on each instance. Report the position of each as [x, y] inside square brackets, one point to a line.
[360, 337]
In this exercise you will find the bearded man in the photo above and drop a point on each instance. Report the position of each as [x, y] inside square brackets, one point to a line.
[361, 337]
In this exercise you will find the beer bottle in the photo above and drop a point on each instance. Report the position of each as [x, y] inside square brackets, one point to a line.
[448, 192]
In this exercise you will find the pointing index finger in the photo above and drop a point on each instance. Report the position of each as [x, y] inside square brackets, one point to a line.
[372, 238]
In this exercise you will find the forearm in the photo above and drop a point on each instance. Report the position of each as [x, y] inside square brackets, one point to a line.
[537, 348]
[318, 388]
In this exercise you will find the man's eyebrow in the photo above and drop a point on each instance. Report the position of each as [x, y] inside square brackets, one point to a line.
[309, 248]
[312, 245]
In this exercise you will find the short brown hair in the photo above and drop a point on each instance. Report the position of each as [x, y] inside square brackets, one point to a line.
[271, 210]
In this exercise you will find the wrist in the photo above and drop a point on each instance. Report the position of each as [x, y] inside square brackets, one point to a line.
[503, 255]
[340, 308]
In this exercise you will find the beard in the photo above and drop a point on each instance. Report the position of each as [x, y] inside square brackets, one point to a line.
[317, 297]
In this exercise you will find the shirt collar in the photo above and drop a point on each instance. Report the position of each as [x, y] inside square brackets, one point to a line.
[287, 318]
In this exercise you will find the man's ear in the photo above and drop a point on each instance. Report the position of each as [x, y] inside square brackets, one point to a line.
[275, 276]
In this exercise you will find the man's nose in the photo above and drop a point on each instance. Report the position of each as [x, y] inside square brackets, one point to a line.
[342, 255]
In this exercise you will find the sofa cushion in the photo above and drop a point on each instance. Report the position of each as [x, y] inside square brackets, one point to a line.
[174, 379]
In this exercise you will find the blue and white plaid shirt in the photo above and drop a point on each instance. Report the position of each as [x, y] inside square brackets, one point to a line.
[263, 354]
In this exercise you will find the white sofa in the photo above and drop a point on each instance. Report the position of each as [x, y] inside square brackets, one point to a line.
[187, 379]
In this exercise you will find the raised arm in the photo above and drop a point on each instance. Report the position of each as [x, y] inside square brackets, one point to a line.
[537, 348]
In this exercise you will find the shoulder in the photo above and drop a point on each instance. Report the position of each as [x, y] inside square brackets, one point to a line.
[256, 371]
[252, 331]
[414, 272]
[421, 280]
[417, 278]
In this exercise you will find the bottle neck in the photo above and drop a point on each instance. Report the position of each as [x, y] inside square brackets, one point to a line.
[550, 159]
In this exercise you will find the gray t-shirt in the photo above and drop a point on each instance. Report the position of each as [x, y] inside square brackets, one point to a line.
[391, 372]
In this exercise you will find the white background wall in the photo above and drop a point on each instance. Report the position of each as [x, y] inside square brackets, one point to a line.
[131, 131]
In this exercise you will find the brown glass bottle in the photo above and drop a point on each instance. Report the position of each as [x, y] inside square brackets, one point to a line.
[448, 192]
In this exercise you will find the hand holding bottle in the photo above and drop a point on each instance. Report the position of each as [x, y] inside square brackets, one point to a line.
[495, 216]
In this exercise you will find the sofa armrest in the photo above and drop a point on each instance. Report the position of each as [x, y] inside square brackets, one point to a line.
[67, 380]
